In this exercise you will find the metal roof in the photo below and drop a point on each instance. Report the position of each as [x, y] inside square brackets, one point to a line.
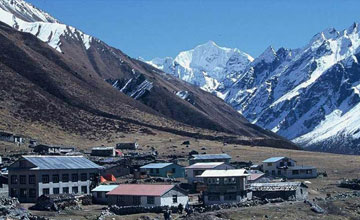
[280, 186]
[224, 173]
[205, 165]
[141, 190]
[155, 165]
[103, 148]
[210, 156]
[104, 188]
[273, 159]
[61, 162]
[255, 176]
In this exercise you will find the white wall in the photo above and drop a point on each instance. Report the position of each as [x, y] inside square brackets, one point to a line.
[168, 201]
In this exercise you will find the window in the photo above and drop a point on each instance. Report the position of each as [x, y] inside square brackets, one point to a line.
[99, 195]
[213, 181]
[66, 190]
[269, 164]
[22, 179]
[308, 171]
[175, 198]
[151, 170]
[32, 193]
[13, 192]
[279, 172]
[229, 196]
[83, 177]
[55, 178]
[23, 193]
[84, 189]
[74, 177]
[56, 191]
[281, 164]
[157, 170]
[173, 170]
[32, 179]
[46, 191]
[92, 176]
[14, 179]
[65, 178]
[75, 190]
[231, 180]
[45, 179]
[214, 197]
[150, 200]
[273, 172]
[295, 172]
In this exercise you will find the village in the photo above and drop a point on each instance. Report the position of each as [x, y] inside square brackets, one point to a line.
[129, 181]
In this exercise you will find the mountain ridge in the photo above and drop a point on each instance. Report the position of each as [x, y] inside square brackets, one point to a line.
[290, 91]
[86, 79]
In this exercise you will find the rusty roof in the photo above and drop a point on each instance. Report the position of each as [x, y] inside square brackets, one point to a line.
[141, 190]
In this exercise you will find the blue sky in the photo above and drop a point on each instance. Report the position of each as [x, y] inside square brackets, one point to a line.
[158, 28]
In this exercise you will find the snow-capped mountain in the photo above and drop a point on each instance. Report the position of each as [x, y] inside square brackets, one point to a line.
[27, 18]
[206, 66]
[309, 95]
[58, 65]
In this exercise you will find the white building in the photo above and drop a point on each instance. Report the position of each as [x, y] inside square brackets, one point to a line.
[192, 171]
[147, 195]
[99, 193]
[286, 167]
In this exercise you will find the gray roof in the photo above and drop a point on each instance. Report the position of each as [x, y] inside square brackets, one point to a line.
[61, 162]
[155, 165]
[210, 156]
[273, 159]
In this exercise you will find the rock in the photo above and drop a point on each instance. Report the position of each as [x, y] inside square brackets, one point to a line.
[186, 143]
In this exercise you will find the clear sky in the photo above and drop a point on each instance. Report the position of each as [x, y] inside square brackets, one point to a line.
[159, 28]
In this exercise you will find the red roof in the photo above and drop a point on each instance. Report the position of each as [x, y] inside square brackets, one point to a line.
[140, 190]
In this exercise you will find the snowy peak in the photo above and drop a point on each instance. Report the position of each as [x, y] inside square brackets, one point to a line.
[26, 18]
[26, 11]
[207, 65]
[268, 56]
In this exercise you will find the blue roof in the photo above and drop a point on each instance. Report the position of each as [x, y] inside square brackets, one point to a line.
[210, 156]
[104, 188]
[61, 162]
[155, 165]
[273, 159]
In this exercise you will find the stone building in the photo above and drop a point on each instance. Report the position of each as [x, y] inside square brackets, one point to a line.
[225, 186]
[33, 176]
[284, 190]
